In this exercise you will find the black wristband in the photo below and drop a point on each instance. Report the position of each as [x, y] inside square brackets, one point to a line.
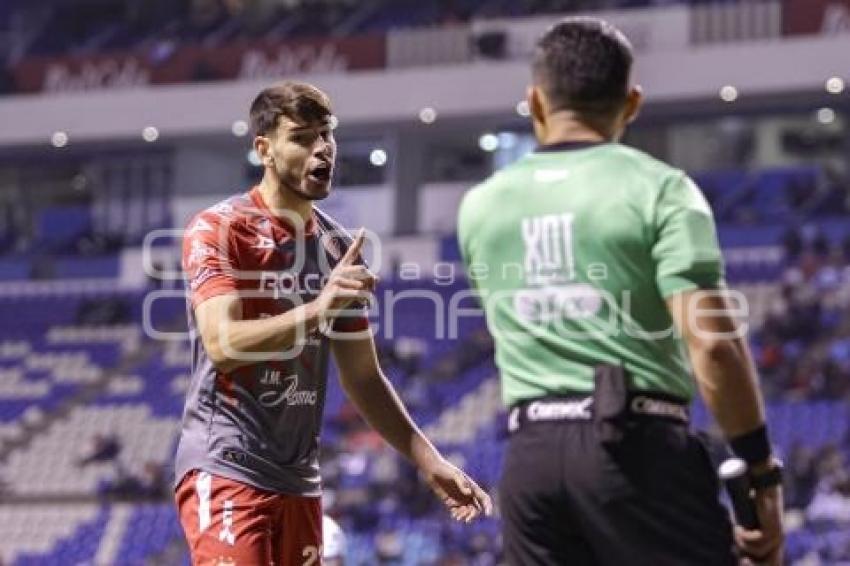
[767, 479]
[752, 447]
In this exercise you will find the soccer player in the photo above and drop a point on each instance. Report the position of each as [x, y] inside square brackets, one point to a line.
[596, 264]
[274, 284]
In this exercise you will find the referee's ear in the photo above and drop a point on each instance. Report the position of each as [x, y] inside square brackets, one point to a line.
[537, 108]
[634, 102]
[536, 104]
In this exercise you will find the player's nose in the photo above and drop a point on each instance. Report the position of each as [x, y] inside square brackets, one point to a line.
[324, 151]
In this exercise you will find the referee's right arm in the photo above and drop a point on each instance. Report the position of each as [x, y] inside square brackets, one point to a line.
[723, 367]
[728, 383]
[689, 275]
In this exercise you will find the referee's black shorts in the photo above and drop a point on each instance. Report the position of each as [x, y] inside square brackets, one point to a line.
[652, 501]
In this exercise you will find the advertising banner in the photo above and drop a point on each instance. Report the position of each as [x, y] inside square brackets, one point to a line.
[161, 65]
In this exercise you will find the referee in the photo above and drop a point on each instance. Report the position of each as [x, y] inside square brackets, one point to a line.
[602, 282]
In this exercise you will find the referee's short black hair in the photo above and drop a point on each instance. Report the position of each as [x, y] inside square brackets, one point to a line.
[583, 64]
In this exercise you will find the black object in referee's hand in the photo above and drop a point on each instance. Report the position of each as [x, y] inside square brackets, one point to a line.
[733, 472]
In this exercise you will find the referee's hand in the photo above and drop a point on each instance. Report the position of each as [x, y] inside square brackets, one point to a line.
[765, 545]
[464, 499]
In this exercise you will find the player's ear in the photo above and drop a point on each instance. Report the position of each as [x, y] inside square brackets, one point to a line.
[262, 145]
[634, 102]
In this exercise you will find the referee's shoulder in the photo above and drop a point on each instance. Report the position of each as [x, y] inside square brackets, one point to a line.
[645, 164]
[474, 203]
[496, 182]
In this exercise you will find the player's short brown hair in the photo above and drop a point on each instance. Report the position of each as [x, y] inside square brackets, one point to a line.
[301, 102]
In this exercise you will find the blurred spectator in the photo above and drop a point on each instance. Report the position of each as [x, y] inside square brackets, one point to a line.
[146, 15]
[151, 483]
[792, 242]
[803, 346]
[102, 448]
[405, 353]
[800, 477]
[800, 190]
[389, 547]
[204, 16]
[453, 559]
[102, 311]
[832, 499]
[154, 480]
[469, 353]
[482, 550]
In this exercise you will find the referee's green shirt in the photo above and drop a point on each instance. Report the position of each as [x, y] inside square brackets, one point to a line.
[573, 250]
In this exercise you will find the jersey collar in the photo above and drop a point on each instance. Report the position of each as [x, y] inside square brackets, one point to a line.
[567, 146]
[282, 223]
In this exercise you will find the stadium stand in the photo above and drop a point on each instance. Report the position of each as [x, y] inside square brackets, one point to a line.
[143, 25]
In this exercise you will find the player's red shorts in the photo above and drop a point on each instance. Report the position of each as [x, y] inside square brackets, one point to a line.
[228, 523]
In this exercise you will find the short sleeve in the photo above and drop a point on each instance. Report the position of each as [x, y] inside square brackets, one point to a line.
[685, 250]
[209, 258]
[464, 228]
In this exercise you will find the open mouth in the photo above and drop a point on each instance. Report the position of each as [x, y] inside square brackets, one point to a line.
[321, 173]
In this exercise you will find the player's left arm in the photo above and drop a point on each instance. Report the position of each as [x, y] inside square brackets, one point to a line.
[376, 400]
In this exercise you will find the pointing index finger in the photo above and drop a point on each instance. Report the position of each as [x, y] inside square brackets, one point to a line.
[354, 250]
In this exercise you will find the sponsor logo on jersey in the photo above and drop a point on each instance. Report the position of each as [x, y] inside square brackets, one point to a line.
[234, 456]
[548, 248]
[285, 391]
[550, 175]
[199, 253]
[557, 302]
[264, 243]
[200, 225]
[551, 292]
[222, 209]
[201, 277]
[285, 283]
[226, 534]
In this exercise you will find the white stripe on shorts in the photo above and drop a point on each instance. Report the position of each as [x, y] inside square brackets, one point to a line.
[203, 487]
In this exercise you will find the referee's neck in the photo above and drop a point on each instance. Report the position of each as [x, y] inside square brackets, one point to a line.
[566, 127]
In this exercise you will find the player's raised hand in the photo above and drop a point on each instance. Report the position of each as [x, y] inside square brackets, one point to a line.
[348, 282]
[465, 500]
[353, 251]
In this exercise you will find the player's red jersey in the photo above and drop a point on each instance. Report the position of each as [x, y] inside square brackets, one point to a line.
[260, 423]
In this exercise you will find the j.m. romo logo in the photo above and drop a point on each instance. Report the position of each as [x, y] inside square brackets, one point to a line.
[284, 390]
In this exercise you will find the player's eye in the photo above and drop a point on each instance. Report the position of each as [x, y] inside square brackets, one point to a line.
[303, 138]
